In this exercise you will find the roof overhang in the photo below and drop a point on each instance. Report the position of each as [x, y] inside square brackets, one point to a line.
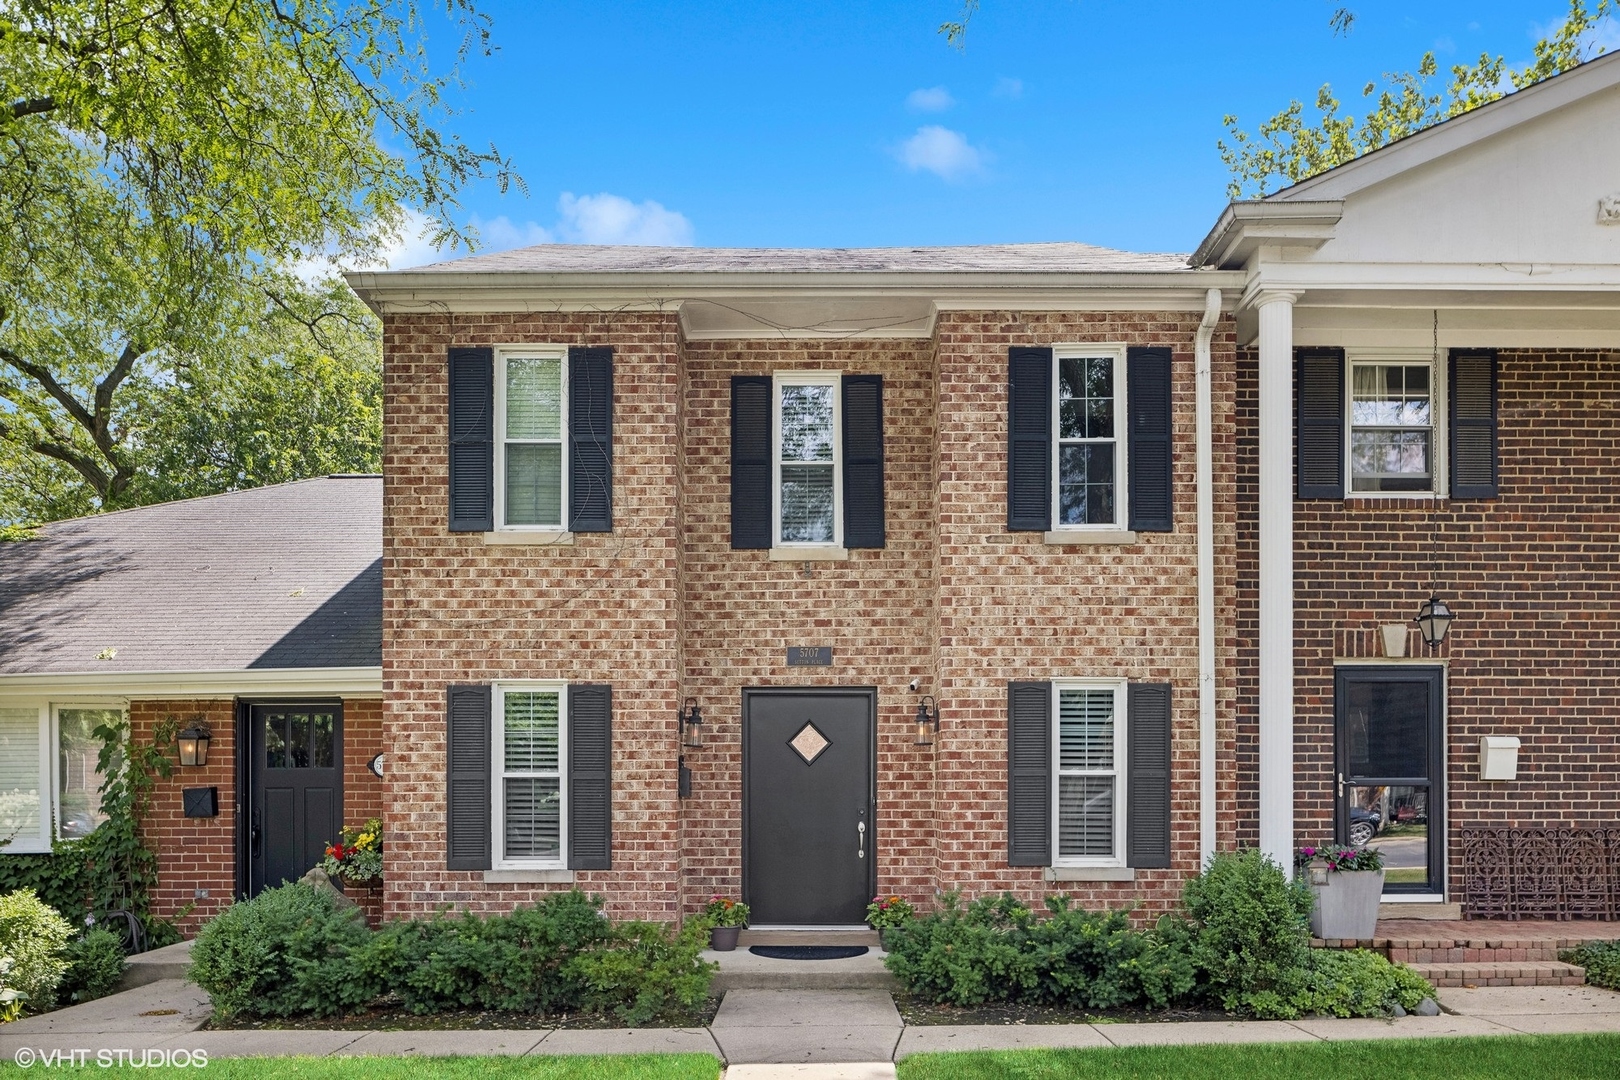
[218, 685]
[1244, 227]
[813, 305]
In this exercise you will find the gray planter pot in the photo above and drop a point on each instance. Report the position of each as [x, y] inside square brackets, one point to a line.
[1347, 906]
[723, 938]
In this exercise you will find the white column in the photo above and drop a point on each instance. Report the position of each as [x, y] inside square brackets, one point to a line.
[1276, 542]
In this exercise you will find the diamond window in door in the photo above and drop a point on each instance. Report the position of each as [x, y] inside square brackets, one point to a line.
[809, 743]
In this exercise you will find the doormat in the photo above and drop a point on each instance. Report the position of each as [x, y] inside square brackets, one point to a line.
[808, 952]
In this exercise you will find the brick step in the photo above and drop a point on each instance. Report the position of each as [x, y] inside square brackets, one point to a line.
[1473, 952]
[1536, 973]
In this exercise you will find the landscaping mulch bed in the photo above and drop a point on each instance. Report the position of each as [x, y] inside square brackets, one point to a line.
[395, 1018]
[917, 1013]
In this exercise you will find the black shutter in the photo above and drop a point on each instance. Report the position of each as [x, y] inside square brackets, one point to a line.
[1148, 438]
[590, 777]
[863, 461]
[1319, 417]
[1474, 471]
[1029, 439]
[1147, 776]
[590, 439]
[750, 461]
[467, 775]
[1029, 774]
[472, 440]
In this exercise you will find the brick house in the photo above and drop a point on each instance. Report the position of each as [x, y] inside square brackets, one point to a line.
[800, 575]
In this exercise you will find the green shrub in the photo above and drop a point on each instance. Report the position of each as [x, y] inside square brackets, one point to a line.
[643, 969]
[95, 964]
[1164, 969]
[965, 956]
[1601, 959]
[284, 952]
[1355, 982]
[34, 937]
[1253, 937]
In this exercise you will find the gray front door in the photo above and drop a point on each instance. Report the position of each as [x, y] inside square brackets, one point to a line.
[295, 774]
[809, 837]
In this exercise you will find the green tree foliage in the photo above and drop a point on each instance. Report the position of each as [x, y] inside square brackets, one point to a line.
[1290, 147]
[158, 160]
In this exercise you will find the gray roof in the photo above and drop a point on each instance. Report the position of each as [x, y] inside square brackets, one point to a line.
[287, 576]
[1058, 258]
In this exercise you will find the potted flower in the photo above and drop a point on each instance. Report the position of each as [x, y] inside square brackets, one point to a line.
[885, 913]
[1348, 883]
[726, 918]
[357, 856]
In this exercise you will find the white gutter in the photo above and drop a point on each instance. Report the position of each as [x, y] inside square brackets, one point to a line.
[240, 682]
[1206, 577]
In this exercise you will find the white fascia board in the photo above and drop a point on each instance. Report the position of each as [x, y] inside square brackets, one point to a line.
[1244, 226]
[1582, 278]
[352, 682]
[1503, 114]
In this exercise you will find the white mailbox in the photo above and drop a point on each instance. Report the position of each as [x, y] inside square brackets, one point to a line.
[1498, 757]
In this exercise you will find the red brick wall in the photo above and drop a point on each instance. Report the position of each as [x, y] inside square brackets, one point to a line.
[1532, 575]
[664, 609]
[1012, 607]
[200, 853]
[603, 610]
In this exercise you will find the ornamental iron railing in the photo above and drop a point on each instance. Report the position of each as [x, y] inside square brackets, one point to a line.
[1541, 873]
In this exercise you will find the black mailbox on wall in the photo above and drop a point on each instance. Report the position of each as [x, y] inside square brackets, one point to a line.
[201, 801]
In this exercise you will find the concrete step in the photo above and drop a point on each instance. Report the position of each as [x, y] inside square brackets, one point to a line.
[1535, 973]
[868, 938]
[169, 962]
[742, 970]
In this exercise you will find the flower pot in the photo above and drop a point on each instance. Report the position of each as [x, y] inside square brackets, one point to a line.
[723, 938]
[1347, 906]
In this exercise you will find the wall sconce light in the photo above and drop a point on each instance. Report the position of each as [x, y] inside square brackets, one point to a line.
[194, 744]
[689, 725]
[1433, 620]
[927, 721]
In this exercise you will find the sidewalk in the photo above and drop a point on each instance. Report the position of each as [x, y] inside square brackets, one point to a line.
[787, 1027]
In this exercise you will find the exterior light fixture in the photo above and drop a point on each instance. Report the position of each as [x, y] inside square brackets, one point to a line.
[194, 744]
[689, 725]
[1433, 620]
[927, 721]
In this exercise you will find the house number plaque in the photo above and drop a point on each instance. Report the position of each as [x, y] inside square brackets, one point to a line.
[809, 656]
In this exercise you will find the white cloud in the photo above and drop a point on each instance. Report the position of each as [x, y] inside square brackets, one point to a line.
[930, 99]
[941, 151]
[612, 219]
[504, 234]
[409, 246]
[1007, 87]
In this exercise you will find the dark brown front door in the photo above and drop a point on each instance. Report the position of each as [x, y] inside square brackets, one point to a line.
[809, 838]
[296, 778]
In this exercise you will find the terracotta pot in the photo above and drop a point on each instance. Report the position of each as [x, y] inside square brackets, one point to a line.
[723, 938]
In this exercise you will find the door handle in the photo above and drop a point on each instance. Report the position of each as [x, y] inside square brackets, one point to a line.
[253, 835]
[1341, 785]
[860, 833]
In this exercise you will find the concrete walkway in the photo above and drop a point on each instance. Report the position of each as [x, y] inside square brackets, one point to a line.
[788, 1027]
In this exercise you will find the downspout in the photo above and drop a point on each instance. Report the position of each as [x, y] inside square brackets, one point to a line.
[1206, 577]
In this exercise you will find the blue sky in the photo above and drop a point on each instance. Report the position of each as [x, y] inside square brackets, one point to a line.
[853, 124]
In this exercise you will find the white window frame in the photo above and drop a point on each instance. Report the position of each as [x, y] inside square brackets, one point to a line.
[503, 354]
[1438, 413]
[1121, 802]
[1115, 353]
[499, 774]
[49, 771]
[835, 380]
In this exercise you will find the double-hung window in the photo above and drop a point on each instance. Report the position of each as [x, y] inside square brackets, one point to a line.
[50, 781]
[1089, 757]
[529, 796]
[807, 471]
[1393, 444]
[531, 426]
[1089, 462]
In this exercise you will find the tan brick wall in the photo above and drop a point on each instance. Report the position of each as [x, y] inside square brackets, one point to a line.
[664, 609]
[1012, 607]
[603, 610]
[1535, 582]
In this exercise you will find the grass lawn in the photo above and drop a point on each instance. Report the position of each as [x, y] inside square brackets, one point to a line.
[1542, 1057]
[604, 1067]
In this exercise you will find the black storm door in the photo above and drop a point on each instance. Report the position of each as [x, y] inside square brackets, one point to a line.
[296, 778]
[1391, 763]
[808, 831]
